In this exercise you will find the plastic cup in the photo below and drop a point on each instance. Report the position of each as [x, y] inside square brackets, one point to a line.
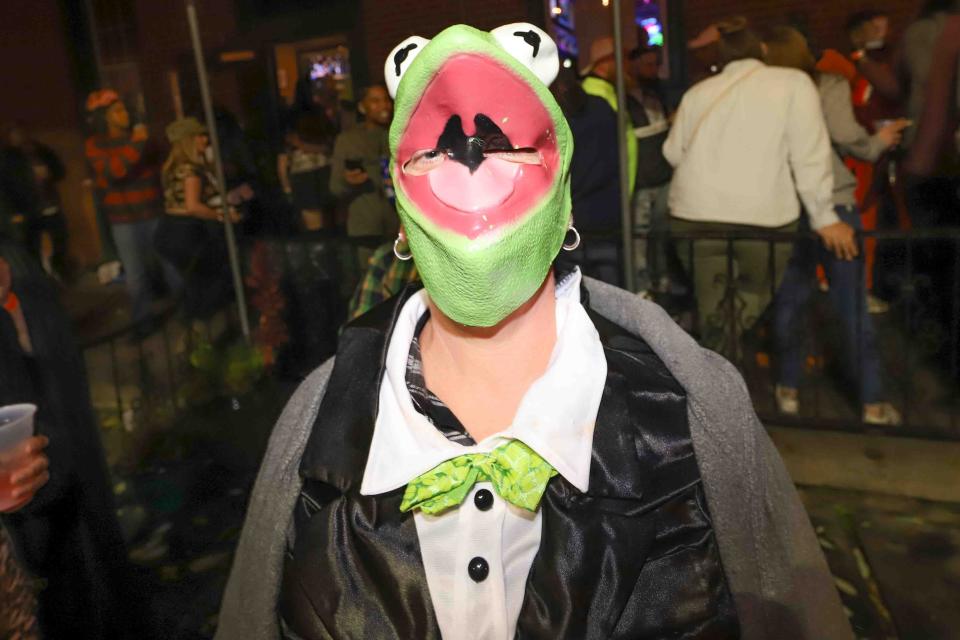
[16, 425]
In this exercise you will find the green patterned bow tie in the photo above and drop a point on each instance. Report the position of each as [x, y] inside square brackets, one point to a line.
[518, 474]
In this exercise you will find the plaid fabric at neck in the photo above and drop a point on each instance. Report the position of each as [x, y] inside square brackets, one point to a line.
[424, 401]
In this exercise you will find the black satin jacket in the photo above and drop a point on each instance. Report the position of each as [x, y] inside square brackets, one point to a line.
[634, 557]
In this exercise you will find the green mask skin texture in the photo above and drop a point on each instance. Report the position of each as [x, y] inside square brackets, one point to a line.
[480, 281]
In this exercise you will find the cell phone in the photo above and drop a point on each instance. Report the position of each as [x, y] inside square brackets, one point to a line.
[353, 164]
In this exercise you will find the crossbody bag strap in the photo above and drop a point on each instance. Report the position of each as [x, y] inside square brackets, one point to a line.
[716, 101]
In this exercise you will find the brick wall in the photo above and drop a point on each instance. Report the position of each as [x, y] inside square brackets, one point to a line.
[824, 19]
[386, 22]
[163, 39]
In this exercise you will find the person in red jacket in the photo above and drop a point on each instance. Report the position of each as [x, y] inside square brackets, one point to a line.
[126, 168]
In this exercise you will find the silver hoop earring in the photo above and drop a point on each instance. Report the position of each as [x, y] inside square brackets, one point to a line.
[408, 255]
[575, 243]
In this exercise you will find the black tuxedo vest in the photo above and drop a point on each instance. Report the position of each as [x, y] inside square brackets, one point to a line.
[634, 557]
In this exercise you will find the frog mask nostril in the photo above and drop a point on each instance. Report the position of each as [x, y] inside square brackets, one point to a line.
[469, 150]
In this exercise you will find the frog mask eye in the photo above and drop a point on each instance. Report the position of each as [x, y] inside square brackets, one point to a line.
[532, 47]
[400, 60]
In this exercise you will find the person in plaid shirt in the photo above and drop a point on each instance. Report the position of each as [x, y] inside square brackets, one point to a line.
[385, 277]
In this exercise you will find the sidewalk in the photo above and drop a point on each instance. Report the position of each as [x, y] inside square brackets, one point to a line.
[896, 561]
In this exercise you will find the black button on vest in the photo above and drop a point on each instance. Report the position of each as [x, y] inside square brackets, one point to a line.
[478, 569]
[483, 499]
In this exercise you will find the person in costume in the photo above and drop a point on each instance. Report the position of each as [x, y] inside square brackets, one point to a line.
[67, 536]
[514, 450]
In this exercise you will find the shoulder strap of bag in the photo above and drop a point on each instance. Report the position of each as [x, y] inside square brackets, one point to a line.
[716, 101]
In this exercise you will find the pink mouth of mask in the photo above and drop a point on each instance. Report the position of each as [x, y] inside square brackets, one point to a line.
[499, 191]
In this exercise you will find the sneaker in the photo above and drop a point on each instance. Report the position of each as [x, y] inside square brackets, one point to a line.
[876, 305]
[788, 401]
[883, 414]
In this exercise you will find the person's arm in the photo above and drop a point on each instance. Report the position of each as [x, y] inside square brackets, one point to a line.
[808, 149]
[343, 181]
[47, 372]
[845, 132]
[249, 606]
[776, 570]
[283, 172]
[881, 77]
[196, 207]
[675, 144]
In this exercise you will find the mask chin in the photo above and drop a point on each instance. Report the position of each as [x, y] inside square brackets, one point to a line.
[479, 283]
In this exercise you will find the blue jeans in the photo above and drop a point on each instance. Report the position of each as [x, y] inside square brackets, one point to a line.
[650, 215]
[848, 300]
[134, 242]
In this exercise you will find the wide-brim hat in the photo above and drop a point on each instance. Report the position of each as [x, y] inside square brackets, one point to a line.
[184, 128]
[600, 49]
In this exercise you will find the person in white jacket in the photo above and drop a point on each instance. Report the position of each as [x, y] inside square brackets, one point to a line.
[745, 144]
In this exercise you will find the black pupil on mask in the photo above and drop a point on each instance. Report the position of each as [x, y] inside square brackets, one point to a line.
[532, 38]
[469, 151]
[401, 55]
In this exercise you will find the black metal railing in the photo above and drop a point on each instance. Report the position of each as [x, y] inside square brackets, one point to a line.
[140, 374]
[917, 272]
[135, 369]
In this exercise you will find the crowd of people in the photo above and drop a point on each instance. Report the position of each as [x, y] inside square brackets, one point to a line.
[778, 138]
[161, 210]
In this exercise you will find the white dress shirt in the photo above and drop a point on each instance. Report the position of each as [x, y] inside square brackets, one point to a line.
[758, 146]
[556, 418]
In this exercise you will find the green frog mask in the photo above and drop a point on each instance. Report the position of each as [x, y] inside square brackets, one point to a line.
[480, 164]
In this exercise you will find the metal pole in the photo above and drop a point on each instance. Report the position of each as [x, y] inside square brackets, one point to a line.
[626, 215]
[218, 161]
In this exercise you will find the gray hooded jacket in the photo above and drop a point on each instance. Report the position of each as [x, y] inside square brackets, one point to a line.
[775, 569]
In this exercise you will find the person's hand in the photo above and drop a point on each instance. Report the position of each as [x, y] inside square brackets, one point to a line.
[355, 177]
[246, 192]
[140, 132]
[232, 214]
[893, 132]
[840, 238]
[26, 464]
[705, 38]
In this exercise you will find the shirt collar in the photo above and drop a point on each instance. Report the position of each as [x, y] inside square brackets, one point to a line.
[556, 417]
[744, 64]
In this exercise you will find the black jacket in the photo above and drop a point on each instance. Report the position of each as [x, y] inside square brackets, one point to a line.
[355, 569]
[68, 534]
